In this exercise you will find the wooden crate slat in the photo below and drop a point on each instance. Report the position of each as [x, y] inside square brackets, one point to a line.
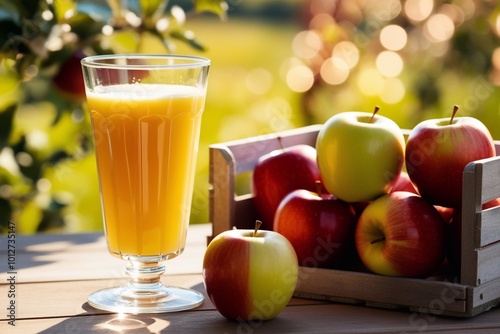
[486, 293]
[488, 259]
[471, 205]
[401, 292]
[221, 193]
[247, 151]
[490, 185]
[490, 226]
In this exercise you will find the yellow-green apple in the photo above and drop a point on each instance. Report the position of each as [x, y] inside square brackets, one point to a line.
[250, 274]
[278, 173]
[437, 151]
[359, 155]
[319, 227]
[401, 234]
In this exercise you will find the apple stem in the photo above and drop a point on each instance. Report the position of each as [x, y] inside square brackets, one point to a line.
[455, 109]
[377, 240]
[375, 111]
[280, 141]
[318, 187]
[258, 223]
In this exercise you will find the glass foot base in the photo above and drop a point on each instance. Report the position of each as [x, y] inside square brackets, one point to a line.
[160, 300]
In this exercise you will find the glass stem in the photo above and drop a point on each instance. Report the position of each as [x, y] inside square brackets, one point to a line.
[145, 277]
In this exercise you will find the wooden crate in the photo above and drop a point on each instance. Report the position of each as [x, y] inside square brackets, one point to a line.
[476, 291]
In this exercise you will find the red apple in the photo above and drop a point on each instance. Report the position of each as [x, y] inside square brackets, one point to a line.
[401, 234]
[320, 228]
[277, 174]
[446, 213]
[438, 150]
[403, 183]
[250, 275]
[69, 80]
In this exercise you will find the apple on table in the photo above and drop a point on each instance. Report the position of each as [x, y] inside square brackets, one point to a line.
[278, 173]
[359, 155]
[250, 274]
[319, 226]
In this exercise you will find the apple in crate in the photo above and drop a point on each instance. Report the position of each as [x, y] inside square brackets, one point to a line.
[359, 155]
[403, 183]
[250, 274]
[278, 173]
[319, 227]
[437, 152]
[401, 234]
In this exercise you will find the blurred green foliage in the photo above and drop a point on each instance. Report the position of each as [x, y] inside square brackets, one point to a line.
[47, 170]
[276, 65]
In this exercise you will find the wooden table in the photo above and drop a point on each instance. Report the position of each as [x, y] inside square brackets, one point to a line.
[52, 275]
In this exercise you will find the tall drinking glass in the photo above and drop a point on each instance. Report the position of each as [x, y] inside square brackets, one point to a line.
[146, 114]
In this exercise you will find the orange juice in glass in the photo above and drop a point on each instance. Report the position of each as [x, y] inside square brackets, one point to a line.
[146, 115]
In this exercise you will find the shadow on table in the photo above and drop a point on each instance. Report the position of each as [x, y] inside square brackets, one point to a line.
[32, 250]
[204, 319]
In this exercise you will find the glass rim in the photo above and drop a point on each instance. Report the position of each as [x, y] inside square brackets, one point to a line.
[96, 61]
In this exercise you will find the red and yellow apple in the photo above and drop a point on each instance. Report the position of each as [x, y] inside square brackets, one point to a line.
[277, 174]
[437, 152]
[319, 227]
[401, 234]
[359, 155]
[250, 274]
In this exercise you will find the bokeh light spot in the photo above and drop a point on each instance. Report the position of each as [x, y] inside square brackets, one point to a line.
[300, 78]
[370, 82]
[495, 58]
[348, 52]
[418, 10]
[334, 71]
[306, 44]
[393, 91]
[389, 64]
[259, 81]
[393, 37]
[439, 28]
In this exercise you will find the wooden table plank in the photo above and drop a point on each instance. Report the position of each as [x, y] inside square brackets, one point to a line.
[331, 318]
[56, 273]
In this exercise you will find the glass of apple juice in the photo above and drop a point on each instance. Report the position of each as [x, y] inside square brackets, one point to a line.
[146, 115]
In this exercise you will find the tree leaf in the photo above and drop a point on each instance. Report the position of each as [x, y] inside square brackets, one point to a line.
[152, 8]
[5, 214]
[218, 7]
[62, 7]
[188, 38]
[85, 26]
[6, 120]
